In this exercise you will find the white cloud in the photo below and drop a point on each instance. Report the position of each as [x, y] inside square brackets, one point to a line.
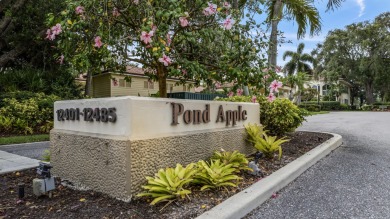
[362, 6]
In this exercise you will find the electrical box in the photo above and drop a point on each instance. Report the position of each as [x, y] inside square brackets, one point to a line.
[41, 186]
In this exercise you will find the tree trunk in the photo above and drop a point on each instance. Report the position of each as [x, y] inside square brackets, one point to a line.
[273, 42]
[88, 84]
[369, 93]
[162, 80]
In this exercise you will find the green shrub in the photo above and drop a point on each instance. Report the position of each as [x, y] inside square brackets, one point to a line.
[344, 106]
[235, 158]
[5, 124]
[279, 117]
[310, 107]
[170, 183]
[215, 175]
[28, 115]
[367, 107]
[381, 104]
[46, 156]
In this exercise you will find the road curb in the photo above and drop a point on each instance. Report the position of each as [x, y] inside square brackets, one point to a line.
[245, 201]
[11, 145]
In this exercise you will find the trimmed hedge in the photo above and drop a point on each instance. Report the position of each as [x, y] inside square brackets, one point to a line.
[310, 107]
[326, 105]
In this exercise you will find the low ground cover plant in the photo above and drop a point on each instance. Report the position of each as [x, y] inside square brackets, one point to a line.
[171, 183]
[264, 143]
[235, 158]
[215, 174]
[175, 183]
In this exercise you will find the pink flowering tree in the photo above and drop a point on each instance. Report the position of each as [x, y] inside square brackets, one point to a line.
[188, 40]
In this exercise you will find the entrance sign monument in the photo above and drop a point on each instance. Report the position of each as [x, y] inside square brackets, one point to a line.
[111, 144]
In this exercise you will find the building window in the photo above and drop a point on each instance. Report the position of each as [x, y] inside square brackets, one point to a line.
[122, 83]
[325, 89]
[148, 85]
[170, 88]
[346, 101]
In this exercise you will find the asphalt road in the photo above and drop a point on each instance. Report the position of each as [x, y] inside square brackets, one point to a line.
[352, 182]
[31, 150]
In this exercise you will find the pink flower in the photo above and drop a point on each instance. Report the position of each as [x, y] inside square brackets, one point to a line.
[240, 92]
[147, 37]
[165, 59]
[136, 2]
[230, 94]
[271, 97]
[278, 69]
[228, 23]
[184, 72]
[61, 59]
[49, 35]
[253, 99]
[218, 85]
[115, 12]
[169, 40]
[56, 29]
[183, 21]
[275, 85]
[79, 10]
[227, 5]
[98, 42]
[265, 70]
[210, 10]
[154, 28]
[266, 76]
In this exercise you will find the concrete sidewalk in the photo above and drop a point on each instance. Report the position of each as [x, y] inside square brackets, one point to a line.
[12, 162]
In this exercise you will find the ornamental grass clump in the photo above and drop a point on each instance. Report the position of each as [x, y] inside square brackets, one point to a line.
[170, 184]
[215, 174]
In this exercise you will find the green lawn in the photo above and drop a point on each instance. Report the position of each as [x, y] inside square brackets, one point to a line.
[23, 139]
[320, 112]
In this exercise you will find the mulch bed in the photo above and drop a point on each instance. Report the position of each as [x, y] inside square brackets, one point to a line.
[69, 203]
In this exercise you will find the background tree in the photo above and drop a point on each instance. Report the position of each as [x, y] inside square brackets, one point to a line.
[183, 39]
[359, 54]
[302, 11]
[298, 62]
[27, 61]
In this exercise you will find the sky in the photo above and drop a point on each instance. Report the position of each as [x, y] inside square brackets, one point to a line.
[351, 11]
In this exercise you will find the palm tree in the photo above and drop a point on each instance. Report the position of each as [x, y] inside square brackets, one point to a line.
[298, 62]
[302, 11]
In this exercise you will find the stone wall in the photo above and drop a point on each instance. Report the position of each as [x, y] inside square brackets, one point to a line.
[118, 167]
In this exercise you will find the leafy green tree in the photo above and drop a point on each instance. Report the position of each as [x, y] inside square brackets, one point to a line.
[22, 25]
[302, 11]
[359, 54]
[192, 40]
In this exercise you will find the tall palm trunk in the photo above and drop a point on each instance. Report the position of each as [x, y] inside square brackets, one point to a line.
[273, 42]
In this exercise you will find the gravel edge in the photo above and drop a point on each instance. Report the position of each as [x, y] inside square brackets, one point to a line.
[245, 201]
